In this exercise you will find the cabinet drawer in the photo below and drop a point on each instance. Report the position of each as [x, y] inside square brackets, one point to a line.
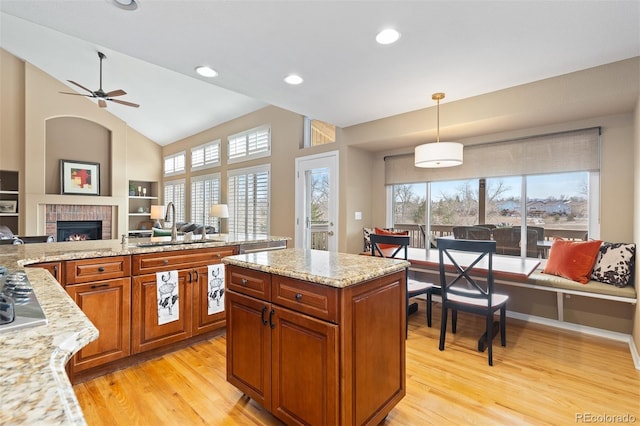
[181, 259]
[317, 300]
[249, 282]
[103, 268]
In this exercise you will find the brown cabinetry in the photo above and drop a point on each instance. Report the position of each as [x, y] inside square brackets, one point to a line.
[315, 354]
[101, 287]
[192, 304]
[55, 268]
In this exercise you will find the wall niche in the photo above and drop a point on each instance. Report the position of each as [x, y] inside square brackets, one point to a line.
[76, 139]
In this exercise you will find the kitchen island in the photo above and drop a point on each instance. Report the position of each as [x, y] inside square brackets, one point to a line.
[35, 386]
[317, 337]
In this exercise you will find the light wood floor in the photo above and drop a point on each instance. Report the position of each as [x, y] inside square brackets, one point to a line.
[543, 376]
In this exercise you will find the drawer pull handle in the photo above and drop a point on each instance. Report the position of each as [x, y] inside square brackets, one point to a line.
[190, 280]
[99, 285]
[244, 281]
[264, 320]
[196, 274]
[218, 255]
[101, 269]
[271, 324]
[298, 297]
[165, 262]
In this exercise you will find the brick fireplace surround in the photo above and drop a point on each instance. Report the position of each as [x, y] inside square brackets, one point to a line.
[56, 212]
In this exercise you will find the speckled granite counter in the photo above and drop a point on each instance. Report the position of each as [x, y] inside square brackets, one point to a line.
[35, 388]
[332, 269]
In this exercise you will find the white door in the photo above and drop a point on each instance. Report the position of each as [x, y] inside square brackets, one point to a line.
[317, 201]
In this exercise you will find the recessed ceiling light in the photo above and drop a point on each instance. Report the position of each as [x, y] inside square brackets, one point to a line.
[387, 36]
[126, 4]
[293, 79]
[206, 71]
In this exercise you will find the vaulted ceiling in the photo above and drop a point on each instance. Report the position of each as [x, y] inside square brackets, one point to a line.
[465, 48]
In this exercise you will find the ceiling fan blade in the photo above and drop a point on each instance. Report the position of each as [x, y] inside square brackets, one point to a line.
[131, 104]
[77, 94]
[80, 86]
[118, 92]
[102, 103]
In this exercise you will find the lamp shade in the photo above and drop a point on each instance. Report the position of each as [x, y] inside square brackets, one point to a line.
[219, 210]
[157, 212]
[438, 154]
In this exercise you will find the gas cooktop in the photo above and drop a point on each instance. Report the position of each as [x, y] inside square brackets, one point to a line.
[27, 310]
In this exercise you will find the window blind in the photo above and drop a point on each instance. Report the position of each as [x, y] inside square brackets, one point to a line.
[174, 191]
[174, 164]
[253, 143]
[248, 199]
[571, 151]
[207, 155]
[205, 191]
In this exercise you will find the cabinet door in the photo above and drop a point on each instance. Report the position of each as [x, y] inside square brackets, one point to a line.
[305, 356]
[55, 268]
[202, 321]
[249, 346]
[108, 305]
[147, 333]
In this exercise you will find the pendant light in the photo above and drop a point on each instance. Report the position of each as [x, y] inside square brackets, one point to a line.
[438, 154]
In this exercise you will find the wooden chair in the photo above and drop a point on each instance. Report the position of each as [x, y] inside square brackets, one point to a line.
[471, 233]
[396, 246]
[465, 293]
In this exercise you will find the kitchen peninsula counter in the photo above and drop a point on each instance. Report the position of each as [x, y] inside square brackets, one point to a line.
[332, 324]
[35, 386]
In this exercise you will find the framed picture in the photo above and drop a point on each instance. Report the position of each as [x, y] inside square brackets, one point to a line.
[8, 206]
[79, 177]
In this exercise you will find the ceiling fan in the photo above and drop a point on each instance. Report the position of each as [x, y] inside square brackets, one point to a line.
[100, 94]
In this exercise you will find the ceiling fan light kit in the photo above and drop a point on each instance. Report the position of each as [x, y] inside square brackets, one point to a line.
[126, 4]
[100, 94]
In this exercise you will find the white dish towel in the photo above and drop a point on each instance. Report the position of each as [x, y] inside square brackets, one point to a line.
[168, 296]
[215, 293]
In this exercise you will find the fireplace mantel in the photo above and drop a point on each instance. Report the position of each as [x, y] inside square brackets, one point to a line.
[75, 212]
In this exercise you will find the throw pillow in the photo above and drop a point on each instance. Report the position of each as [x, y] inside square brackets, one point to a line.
[573, 260]
[613, 264]
[381, 231]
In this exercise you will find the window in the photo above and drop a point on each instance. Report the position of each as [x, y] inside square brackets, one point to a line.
[318, 132]
[248, 199]
[205, 191]
[548, 184]
[254, 143]
[205, 156]
[174, 192]
[174, 164]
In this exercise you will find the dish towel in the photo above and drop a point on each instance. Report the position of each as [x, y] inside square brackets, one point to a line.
[168, 296]
[215, 293]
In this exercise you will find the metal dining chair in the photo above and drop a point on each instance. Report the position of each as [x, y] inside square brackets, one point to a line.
[463, 291]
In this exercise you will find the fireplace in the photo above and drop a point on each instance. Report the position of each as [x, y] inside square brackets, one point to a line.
[79, 230]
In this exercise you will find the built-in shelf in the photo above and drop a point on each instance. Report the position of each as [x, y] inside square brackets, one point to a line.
[142, 195]
[9, 205]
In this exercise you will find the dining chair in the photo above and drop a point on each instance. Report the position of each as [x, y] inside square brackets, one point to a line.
[464, 291]
[396, 246]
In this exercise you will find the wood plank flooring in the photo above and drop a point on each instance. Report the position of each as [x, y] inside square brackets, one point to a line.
[543, 376]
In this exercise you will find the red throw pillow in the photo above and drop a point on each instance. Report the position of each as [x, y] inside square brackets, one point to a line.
[573, 260]
[381, 231]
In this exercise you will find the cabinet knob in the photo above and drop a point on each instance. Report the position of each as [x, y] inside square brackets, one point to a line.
[298, 297]
[101, 269]
[165, 262]
[244, 281]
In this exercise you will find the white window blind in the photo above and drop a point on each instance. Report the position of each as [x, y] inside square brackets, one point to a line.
[571, 151]
[204, 156]
[205, 191]
[248, 199]
[174, 191]
[254, 143]
[174, 164]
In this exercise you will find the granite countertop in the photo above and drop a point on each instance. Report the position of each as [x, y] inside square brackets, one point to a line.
[35, 388]
[321, 267]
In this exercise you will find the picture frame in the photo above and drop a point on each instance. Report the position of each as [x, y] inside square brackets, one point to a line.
[8, 206]
[79, 177]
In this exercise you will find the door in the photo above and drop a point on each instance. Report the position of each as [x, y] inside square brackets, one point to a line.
[317, 202]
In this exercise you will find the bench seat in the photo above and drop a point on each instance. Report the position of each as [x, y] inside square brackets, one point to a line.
[596, 287]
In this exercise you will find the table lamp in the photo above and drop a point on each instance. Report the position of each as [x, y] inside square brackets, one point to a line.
[221, 211]
[157, 213]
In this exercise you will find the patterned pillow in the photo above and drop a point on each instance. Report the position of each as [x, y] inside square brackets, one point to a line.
[613, 264]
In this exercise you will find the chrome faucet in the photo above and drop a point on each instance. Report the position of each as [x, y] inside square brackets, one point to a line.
[174, 228]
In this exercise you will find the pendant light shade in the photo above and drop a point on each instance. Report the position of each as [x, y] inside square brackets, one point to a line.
[438, 154]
